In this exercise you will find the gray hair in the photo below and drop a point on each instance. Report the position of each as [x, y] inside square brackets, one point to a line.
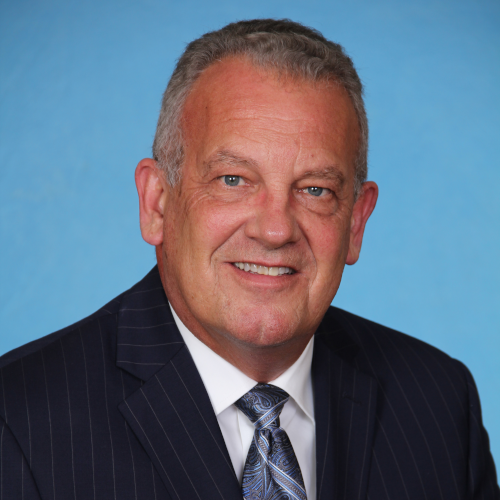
[281, 45]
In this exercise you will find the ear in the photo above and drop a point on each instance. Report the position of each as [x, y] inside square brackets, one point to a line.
[152, 190]
[363, 208]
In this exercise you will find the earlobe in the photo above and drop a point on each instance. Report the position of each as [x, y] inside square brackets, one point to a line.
[151, 188]
[362, 210]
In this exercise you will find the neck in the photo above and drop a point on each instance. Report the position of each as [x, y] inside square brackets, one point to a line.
[260, 363]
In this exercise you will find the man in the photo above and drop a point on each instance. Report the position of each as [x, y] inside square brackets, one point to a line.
[225, 373]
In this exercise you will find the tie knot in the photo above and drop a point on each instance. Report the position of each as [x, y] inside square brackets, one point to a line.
[263, 404]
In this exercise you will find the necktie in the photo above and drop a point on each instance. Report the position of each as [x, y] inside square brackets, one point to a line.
[271, 469]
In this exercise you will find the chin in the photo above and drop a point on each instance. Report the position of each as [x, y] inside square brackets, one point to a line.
[264, 328]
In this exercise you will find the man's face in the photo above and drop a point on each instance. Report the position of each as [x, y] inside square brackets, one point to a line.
[267, 183]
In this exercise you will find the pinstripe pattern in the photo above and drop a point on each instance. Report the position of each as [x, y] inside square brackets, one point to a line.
[113, 407]
[69, 418]
[153, 475]
[27, 412]
[1, 463]
[107, 412]
[320, 479]
[221, 449]
[423, 424]
[50, 427]
[90, 414]
[190, 438]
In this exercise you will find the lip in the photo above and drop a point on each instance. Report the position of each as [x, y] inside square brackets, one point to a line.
[266, 264]
[264, 280]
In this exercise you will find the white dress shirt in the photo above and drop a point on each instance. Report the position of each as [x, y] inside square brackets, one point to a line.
[226, 384]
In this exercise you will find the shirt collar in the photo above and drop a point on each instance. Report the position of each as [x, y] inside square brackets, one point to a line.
[297, 381]
[225, 384]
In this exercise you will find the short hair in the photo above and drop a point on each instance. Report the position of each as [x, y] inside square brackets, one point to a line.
[281, 45]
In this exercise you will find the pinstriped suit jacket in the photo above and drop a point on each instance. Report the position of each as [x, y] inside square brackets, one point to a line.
[114, 408]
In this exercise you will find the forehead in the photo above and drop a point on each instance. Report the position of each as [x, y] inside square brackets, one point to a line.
[235, 99]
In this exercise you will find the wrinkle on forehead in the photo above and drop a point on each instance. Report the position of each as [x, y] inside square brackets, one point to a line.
[228, 100]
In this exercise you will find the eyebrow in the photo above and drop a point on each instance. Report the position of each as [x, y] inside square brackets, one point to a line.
[229, 158]
[330, 172]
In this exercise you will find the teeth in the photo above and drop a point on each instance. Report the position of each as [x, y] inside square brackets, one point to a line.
[256, 269]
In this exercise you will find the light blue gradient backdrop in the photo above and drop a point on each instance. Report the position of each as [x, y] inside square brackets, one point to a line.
[80, 88]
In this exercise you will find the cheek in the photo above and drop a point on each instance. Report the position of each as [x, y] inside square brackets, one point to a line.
[329, 243]
[209, 224]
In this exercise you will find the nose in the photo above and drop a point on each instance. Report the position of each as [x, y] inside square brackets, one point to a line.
[273, 223]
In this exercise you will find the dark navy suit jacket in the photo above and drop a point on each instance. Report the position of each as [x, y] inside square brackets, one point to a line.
[114, 408]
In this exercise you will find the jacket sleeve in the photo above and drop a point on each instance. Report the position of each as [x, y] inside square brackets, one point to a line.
[482, 475]
[16, 480]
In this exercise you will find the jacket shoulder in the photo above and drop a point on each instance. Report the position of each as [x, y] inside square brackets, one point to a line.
[422, 394]
[111, 308]
[371, 336]
[390, 355]
[106, 315]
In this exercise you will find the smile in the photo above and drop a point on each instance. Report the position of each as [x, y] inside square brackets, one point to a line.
[249, 267]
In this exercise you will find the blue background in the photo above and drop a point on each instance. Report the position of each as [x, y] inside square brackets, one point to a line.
[80, 90]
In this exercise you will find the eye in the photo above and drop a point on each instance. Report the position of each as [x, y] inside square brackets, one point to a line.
[315, 191]
[232, 180]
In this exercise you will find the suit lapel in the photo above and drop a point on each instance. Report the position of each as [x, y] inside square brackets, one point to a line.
[171, 413]
[345, 402]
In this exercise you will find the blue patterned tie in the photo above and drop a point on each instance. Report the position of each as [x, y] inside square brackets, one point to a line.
[271, 470]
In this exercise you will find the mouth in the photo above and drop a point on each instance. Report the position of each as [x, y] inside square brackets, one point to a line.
[253, 268]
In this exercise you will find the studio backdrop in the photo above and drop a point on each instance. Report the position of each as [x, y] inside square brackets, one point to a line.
[80, 91]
